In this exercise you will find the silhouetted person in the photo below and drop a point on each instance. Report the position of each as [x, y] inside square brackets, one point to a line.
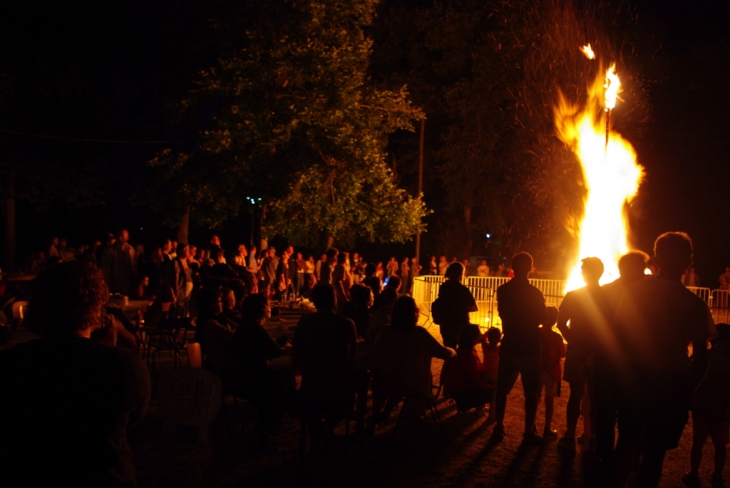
[631, 267]
[521, 307]
[268, 390]
[711, 410]
[358, 308]
[324, 348]
[585, 310]
[657, 319]
[373, 281]
[67, 400]
[458, 301]
[327, 267]
[465, 380]
[553, 350]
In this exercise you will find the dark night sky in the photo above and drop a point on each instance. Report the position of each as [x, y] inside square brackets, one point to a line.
[123, 63]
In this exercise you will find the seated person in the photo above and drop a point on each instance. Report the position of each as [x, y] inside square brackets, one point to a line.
[269, 391]
[231, 315]
[72, 398]
[213, 334]
[324, 349]
[358, 308]
[402, 360]
[465, 380]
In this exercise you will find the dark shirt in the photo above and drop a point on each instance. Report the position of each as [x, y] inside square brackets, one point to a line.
[521, 307]
[67, 402]
[253, 346]
[358, 314]
[325, 273]
[324, 348]
[268, 269]
[586, 310]
[459, 300]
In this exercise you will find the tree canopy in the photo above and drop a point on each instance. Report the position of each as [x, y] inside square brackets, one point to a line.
[291, 117]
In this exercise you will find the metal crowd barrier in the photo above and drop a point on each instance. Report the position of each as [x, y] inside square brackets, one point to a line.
[484, 290]
[720, 305]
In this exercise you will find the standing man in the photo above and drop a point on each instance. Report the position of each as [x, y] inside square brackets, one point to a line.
[327, 267]
[521, 307]
[631, 267]
[584, 308]
[268, 271]
[656, 320]
[124, 265]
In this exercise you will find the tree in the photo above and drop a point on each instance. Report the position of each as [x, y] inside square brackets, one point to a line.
[290, 117]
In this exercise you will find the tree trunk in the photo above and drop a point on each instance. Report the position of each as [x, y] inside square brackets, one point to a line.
[184, 229]
[467, 230]
[264, 243]
[9, 258]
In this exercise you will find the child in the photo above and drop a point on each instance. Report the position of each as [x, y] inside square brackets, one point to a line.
[490, 351]
[710, 411]
[464, 378]
[553, 350]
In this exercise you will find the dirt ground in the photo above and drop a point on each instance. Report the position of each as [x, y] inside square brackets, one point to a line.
[414, 456]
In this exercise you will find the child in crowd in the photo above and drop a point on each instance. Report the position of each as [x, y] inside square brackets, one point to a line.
[490, 351]
[553, 350]
[711, 411]
[464, 379]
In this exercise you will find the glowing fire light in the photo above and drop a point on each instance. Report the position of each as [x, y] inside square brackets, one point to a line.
[612, 86]
[611, 175]
[588, 51]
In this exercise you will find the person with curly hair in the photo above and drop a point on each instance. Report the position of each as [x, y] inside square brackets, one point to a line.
[72, 398]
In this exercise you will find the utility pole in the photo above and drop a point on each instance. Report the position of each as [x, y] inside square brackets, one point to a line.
[420, 184]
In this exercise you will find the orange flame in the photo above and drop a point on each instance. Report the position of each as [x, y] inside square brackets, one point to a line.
[588, 51]
[610, 172]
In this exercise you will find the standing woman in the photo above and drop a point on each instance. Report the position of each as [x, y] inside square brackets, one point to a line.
[458, 303]
[405, 275]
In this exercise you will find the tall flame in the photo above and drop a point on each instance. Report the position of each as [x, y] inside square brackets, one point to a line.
[610, 173]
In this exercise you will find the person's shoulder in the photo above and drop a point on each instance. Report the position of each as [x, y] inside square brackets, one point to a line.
[344, 321]
[421, 333]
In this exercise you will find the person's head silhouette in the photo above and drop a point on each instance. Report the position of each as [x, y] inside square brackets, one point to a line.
[521, 264]
[592, 269]
[673, 254]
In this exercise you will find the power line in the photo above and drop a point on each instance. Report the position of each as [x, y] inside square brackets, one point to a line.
[80, 139]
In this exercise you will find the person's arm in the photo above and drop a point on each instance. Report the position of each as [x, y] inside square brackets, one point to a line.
[472, 304]
[561, 345]
[563, 317]
[436, 350]
[705, 324]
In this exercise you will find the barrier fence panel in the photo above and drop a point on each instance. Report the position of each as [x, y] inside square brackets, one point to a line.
[719, 304]
[704, 293]
[484, 290]
[425, 290]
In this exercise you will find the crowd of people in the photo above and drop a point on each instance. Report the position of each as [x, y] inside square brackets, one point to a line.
[626, 360]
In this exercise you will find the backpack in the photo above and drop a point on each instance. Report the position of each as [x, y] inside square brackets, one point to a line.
[439, 311]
